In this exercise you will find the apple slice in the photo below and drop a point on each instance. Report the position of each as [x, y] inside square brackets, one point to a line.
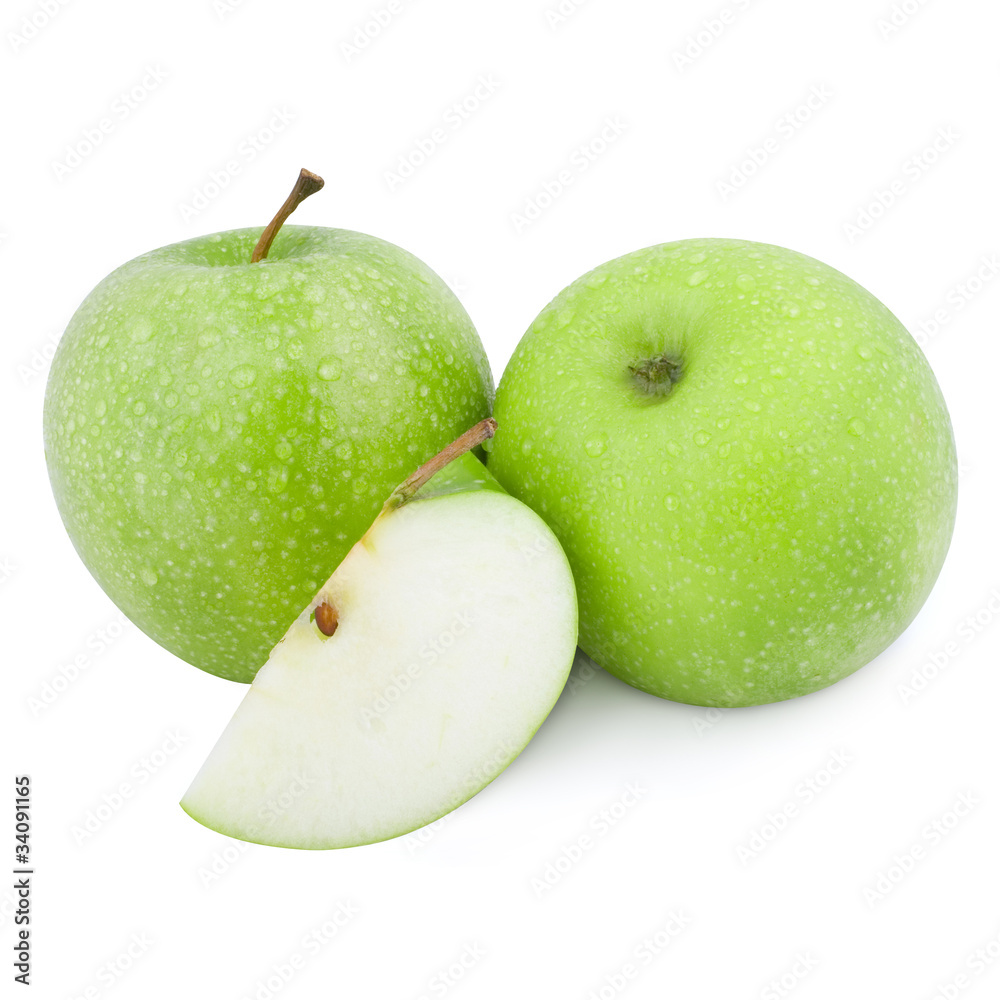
[419, 671]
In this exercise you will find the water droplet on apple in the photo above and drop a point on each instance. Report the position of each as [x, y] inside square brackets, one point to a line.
[697, 258]
[742, 379]
[745, 281]
[671, 501]
[864, 352]
[817, 304]
[617, 482]
[596, 280]
[277, 479]
[243, 376]
[330, 368]
[856, 427]
[702, 438]
[213, 419]
[752, 405]
[725, 449]
[698, 277]
[101, 408]
[141, 330]
[170, 399]
[283, 450]
[148, 576]
[596, 445]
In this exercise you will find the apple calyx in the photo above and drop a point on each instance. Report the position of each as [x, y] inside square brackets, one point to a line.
[472, 438]
[656, 376]
[307, 183]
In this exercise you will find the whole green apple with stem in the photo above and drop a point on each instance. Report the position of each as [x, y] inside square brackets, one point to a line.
[747, 460]
[225, 416]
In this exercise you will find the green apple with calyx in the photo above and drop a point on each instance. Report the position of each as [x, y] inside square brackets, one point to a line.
[747, 460]
[224, 417]
[413, 677]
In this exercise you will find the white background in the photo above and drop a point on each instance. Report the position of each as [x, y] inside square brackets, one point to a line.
[710, 780]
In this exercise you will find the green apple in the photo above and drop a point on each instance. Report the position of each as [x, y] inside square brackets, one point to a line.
[219, 431]
[415, 675]
[747, 460]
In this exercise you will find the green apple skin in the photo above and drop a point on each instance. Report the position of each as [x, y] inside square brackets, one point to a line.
[219, 433]
[774, 520]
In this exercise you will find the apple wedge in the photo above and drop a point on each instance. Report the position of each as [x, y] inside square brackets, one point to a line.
[418, 672]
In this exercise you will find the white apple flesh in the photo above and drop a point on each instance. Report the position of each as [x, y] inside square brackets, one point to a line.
[454, 631]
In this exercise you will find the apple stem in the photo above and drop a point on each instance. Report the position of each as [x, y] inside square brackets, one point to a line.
[308, 183]
[472, 438]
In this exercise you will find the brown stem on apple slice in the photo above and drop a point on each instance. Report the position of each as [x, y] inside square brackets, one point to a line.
[472, 438]
[307, 184]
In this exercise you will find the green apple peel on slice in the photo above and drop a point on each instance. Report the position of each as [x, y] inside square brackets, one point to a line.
[453, 626]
